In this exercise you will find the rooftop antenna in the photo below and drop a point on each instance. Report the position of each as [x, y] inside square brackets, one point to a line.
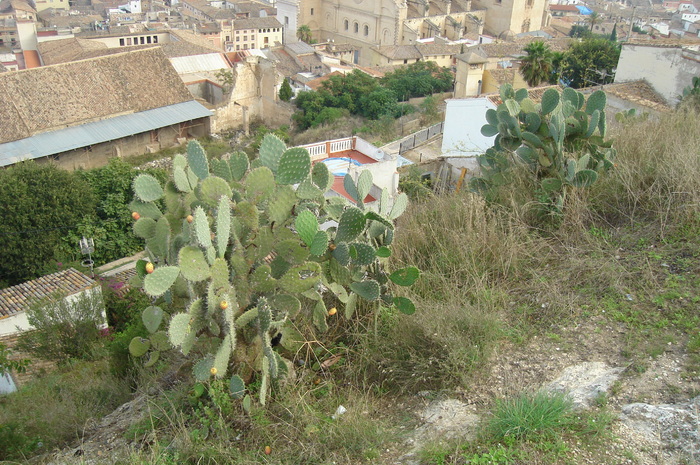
[87, 247]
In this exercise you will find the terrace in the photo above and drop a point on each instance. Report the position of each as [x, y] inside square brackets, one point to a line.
[352, 155]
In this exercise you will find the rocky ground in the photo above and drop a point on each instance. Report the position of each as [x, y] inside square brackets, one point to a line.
[656, 409]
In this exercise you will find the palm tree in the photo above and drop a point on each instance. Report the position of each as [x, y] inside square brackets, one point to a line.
[304, 33]
[593, 19]
[536, 67]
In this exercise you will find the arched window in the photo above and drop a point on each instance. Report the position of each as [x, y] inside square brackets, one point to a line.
[355, 27]
[366, 30]
[346, 25]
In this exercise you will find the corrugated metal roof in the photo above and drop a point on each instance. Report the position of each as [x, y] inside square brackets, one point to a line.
[63, 140]
[199, 63]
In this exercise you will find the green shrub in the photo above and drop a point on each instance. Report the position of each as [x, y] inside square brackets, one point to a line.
[64, 329]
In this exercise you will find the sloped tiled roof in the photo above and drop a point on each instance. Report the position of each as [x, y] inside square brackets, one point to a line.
[639, 92]
[59, 96]
[15, 299]
[400, 52]
[256, 23]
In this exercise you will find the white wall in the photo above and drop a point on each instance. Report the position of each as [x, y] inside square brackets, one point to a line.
[463, 121]
[669, 70]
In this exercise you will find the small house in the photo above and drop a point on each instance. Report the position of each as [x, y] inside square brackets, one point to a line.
[68, 284]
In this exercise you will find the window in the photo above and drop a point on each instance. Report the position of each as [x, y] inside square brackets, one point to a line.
[265, 41]
[346, 25]
[238, 47]
[143, 40]
[245, 38]
[245, 46]
[238, 38]
[148, 39]
[312, 11]
[228, 39]
[355, 27]
[155, 39]
[529, 3]
[366, 30]
[121, 42]
[128, 41]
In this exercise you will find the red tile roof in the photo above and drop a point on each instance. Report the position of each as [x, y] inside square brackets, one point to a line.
[15, 299]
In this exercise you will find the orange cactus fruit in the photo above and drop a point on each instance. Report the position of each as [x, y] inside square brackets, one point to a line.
[332, 311]
[150, 267]
[213, 371]
[268, 450]
[190, 218]
[223, 305]
[135, 215]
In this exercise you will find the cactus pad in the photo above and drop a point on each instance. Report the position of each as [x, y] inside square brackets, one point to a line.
[400, 204]
[596, 101]
[322, 177]
[201, 228]
[145, 209]
[306, 225]
[180, 179]
[212, 189]
[179, 328]
[238, 162]
[145, 228]
[320, 243]
[197, 159]
[139, 346]
[147, 188]
[237, 387]
[352, 223]
[152, 317]
[223, 225]
[362, 254]
[319, 316]
[193, 265]
[221, 169]
[550, 100]
[259, 184]
[280, 208]
[301, 277]
[156, 283]
[368, 290]
[248, 214]
[364, 184]
[405, 276]
[351, 188]
[271, 150]
[405, 305]
[294, 166]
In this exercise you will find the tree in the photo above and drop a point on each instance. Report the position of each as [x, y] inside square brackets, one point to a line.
[590, 62]
[304, 33]
[286, 92]
[593, 19]
[381, 101]
[39, 205]
[536, 67]
[418, 79]
[579, 31]
[613, 35]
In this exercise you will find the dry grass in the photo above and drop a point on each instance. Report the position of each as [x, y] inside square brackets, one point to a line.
[656, 178]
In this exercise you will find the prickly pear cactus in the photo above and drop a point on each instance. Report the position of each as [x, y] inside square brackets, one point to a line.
[239, 253]
[561, 140]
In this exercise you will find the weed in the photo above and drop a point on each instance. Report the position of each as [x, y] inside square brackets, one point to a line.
[529, 416]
